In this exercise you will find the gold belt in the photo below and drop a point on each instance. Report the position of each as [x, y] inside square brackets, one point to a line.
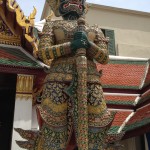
[69, 77]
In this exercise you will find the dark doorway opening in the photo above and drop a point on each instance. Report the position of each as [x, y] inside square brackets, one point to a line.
[7, 103]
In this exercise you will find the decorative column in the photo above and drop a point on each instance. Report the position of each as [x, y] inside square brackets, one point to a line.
[23, 106]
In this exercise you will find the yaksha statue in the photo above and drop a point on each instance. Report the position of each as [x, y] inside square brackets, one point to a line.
[73, 106]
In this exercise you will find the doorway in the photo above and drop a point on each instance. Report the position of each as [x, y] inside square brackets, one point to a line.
[7, 103]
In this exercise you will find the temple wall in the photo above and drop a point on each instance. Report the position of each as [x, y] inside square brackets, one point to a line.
[34, 125]
[132, 32]
[118, 18]
[22, 118]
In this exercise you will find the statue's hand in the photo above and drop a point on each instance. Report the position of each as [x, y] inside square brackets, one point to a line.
[80, 40]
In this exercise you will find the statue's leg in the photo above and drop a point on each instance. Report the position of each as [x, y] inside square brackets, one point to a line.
[57, 124]
[99, 118]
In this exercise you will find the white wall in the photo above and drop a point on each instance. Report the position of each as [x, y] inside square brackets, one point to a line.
[35, 125]
[22, 118]
[118, 18]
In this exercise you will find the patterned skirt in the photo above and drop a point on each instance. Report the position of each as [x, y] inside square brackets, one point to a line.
[58, 115]
[56, 111]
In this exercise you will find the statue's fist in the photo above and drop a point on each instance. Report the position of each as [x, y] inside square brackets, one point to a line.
[80, 35]
[80, 40]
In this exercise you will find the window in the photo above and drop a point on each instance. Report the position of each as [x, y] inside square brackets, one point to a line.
[111, 44]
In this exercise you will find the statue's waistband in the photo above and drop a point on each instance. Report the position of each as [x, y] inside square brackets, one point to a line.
[62, 77]
[67, 66]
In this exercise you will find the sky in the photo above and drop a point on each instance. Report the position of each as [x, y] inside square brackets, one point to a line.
[140, 5]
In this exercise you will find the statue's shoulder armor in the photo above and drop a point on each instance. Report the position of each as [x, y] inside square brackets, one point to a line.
[63, 30]
[48, 27]
[94, 32]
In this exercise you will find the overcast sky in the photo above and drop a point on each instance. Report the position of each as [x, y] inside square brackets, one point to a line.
[141, 5]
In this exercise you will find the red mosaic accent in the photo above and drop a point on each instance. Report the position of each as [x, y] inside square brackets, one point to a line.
[141, 114]
[120, 117]
[6, 55]
[119, 98]
[122, 74]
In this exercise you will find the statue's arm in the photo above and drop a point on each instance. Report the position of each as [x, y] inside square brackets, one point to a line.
[99, 48]
[48, 49]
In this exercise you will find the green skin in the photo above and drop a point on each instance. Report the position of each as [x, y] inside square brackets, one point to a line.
[80, 40]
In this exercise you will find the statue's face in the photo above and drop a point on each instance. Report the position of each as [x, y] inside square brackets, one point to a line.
[71, 9]
[68, 9]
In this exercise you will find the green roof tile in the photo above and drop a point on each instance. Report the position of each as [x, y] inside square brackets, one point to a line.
[115, 102]
[113, 130]
[15, 57]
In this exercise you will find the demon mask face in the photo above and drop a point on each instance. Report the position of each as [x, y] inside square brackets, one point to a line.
[68, 9]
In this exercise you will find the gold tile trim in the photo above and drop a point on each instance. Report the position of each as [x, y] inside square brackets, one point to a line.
[24, 96]
[10, 40]
[24, 84]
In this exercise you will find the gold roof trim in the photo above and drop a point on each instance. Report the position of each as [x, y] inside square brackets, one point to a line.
[23, 21]
[10, 40]
[26, 23]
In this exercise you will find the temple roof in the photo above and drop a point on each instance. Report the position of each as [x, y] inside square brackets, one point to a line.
[121, 99]
[17, 40]
[118, 122]
[16, 56]
[126, 84]
[139, 119]
[131, 73]
[116, 132]
[14, 59]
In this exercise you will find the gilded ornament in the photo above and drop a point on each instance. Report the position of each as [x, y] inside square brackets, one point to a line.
[24, 97]
[24, 84]
[23, 21]
[11, 4]
[7, 37]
